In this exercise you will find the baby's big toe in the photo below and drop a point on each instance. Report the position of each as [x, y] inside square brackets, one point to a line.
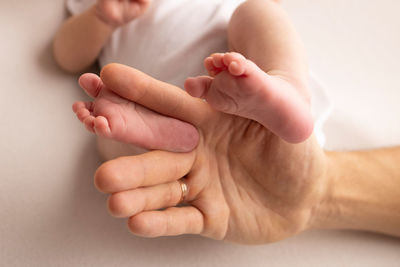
[197, 86]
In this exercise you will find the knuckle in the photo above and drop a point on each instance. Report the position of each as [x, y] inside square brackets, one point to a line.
[172, 196]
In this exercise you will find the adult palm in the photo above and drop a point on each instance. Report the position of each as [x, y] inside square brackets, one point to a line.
[245, 184]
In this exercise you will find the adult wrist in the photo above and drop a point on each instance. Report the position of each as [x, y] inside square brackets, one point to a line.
[328, 213]
[362, 192]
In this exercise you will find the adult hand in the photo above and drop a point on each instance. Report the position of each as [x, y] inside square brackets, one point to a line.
[119, 12]
[245, 184]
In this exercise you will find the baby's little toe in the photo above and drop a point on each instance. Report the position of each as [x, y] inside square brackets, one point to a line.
[209, 65]
[76, 106]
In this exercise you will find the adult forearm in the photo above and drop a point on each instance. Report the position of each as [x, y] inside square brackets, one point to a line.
[80, 40]
[363, 191]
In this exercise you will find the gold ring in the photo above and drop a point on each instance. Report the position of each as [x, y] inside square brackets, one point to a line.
[184, 190]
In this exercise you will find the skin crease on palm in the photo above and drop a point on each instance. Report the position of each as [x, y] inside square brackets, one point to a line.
[245, 184]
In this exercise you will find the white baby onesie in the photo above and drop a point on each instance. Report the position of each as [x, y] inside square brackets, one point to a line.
[170, 41]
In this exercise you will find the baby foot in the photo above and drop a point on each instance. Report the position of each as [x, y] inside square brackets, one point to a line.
[238, 86]
[112, 116]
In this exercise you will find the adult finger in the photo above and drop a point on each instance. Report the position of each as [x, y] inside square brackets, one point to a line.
[131, 202]
[170, 222]
[154, 94]
[155, 167]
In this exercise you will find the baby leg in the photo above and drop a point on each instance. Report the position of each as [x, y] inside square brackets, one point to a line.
[112, 116]
[262, 32]
[270, 86]
[238, 86]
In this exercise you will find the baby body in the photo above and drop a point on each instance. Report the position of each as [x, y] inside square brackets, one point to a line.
[168, 39]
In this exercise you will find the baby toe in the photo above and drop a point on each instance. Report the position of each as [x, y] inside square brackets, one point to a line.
[82, 114]
[233, 56]
[101, 126]
[88, 122]
[77, 106]
[198, 86]
[91, 83]
[209, 65]
[236, 63]
[218, 60]
[236, 69]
